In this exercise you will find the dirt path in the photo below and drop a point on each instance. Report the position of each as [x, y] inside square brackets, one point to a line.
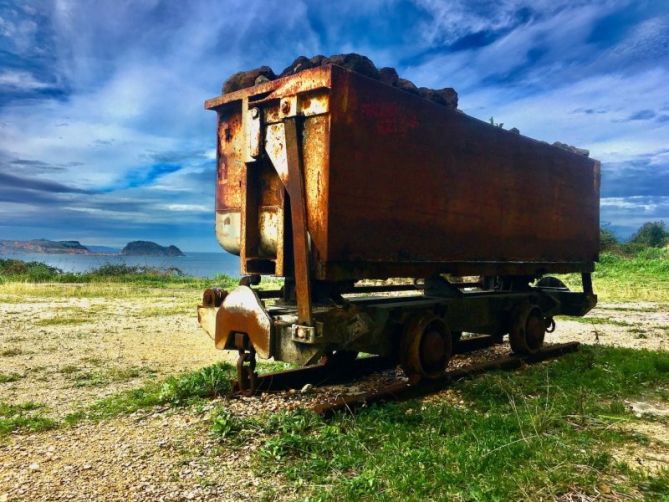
[639, 325]
[68, 353]
[162, 456]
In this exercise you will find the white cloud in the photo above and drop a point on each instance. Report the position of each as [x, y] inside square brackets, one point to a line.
[21, 80]
[189, 208]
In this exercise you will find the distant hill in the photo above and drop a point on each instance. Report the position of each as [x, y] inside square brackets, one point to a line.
[147, 248]
[43, 246]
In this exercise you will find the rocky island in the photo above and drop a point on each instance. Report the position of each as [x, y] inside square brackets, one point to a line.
[147, 248]
[45, 246]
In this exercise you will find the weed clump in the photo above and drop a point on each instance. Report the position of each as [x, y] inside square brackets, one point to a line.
[210, 382]
[25, 417]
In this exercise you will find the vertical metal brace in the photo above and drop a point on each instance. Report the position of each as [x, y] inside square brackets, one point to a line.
[586, 279]
[298, 213]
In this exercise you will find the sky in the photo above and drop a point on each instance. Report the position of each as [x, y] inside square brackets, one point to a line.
[104, 139]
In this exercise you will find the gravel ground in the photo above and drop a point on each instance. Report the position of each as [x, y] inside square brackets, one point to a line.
[169, 454]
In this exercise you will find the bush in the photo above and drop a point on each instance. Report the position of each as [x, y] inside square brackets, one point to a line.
[651, 234]
[607, 240]
[33, 271]
[36, 272]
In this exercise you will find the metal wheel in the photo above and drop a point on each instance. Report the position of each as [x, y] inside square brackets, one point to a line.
[551, 282]
[528, 330]
[426, 347]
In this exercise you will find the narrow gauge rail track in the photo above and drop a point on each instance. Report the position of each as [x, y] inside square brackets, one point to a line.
[324, 374]
[407, 390]
[329, 374]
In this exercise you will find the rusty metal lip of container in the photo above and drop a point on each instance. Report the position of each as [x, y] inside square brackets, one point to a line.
[320, 77]
[304, 81]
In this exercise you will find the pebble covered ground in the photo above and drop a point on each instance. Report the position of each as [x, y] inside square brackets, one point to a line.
[169, 453]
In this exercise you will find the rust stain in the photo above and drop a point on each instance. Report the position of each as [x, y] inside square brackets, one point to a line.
[388, 118]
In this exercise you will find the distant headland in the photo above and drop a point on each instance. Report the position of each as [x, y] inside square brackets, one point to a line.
[45, 246]
[147, 248]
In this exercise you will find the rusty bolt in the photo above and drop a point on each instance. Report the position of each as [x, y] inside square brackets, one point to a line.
[254, 113]
[285, 107]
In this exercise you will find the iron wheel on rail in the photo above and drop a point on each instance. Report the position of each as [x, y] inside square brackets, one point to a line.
[528, 330]
[426, 347]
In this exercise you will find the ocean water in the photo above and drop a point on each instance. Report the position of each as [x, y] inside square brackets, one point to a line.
[194, 264]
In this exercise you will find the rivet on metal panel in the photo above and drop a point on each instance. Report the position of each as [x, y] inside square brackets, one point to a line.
[288, 107]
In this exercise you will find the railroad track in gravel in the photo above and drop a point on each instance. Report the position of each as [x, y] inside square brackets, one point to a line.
[324, 374]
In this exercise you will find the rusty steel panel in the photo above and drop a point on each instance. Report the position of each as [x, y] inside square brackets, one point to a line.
[414, 183]
[396, 185]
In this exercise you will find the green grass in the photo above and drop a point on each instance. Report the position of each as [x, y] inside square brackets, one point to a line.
[206, 383]
[596, 320]
[640, 277]
[167, 310]
[537, 433]
[10, 377]
[11, 352]
[25, 417]
[105, 376]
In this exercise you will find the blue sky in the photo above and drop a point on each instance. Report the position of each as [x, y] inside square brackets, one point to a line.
[103, 137]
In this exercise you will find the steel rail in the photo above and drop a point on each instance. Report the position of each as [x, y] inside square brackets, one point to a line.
[406, 390]
[321, 374]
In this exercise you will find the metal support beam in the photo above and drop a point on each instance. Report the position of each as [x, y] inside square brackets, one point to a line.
[587, 283]
[298, 213]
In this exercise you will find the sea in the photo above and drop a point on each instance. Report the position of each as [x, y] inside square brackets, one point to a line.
[193, 264]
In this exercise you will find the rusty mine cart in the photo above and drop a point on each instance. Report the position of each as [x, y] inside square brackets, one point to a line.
[328, 177]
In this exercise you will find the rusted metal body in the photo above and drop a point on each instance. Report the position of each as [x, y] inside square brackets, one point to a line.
[327, 177]
[396, 185]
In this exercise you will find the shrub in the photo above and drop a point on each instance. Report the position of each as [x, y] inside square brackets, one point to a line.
[651, 234]
[607, 240]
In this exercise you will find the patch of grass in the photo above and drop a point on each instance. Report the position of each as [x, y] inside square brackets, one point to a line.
[226, 425]
[167, 311]
[69, 369]
[658, 307]
[596, 320]
[10, 377]
[106, 376]
[655, 486]
[539, 433]
[11, 352]
[92, 360]
[60, 320]
[69, 315]
[644, 275]
[209, 382]
[25, 417]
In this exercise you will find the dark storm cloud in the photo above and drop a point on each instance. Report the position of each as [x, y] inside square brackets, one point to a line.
[10, 181]
[639, 177]
[35, 165]
[642, 115]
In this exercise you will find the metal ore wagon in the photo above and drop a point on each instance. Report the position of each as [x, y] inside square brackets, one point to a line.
[327, 177]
